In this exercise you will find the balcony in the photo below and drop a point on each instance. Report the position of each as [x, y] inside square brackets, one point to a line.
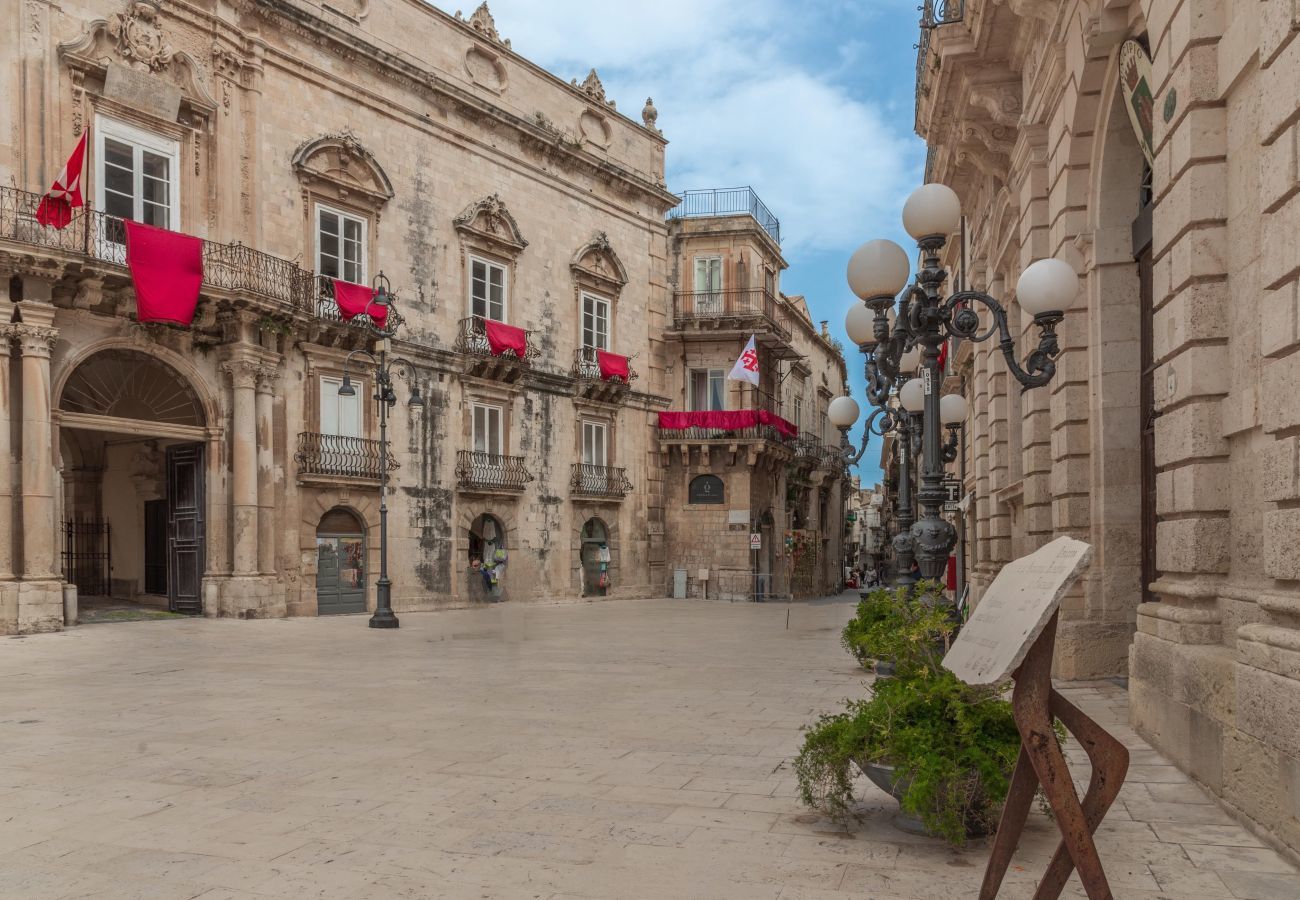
[718, 202]
[474, 347]
[96, 241]
[591, 383]
[327, 457]
[760, 430]
[490, 473]
[599, 482]
[730, 315]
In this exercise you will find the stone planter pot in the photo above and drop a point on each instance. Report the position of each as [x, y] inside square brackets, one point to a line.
[884, 777]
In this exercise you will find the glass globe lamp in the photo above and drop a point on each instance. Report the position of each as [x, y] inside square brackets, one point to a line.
[932, 210]
[1047, 286]
[878, 269]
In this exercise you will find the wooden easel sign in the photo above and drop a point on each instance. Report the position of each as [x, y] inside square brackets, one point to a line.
[1012, 633]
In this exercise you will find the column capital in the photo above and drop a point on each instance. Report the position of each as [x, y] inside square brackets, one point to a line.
[243, 372]
[36, 340]
[266, 379]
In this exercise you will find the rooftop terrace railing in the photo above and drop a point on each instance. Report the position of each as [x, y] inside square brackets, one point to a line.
[740, 201]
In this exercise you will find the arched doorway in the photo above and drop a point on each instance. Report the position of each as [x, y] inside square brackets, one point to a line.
[594, 557]
[487, 558]
[133, 437]
[340, 563]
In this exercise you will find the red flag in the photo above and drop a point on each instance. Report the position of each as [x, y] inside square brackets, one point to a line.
[58, 202]
[943, 357]
[355, 299]
[167, 268]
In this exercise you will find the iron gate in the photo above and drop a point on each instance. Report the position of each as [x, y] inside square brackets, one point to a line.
[87, 559]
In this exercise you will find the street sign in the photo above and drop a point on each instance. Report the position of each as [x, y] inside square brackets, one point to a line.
[952, 493]
[755, 540]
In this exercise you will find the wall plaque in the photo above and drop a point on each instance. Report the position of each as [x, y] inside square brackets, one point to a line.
[706, 489]
[142, 91]
[1135, 81]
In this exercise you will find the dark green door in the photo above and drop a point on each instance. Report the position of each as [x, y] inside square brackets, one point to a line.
[340, 574]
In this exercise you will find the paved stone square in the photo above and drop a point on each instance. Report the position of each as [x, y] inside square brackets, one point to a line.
[629, 749]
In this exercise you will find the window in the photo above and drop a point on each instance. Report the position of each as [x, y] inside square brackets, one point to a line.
[593, 444]
[798, 413]
[340, 245]
[487, 289]
[708, 389]
[487, 429]
[708, 285]
[595, 322]
[339, 415]
[136, 178]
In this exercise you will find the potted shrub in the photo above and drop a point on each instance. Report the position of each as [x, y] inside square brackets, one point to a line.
[900, 630]
[944, 749]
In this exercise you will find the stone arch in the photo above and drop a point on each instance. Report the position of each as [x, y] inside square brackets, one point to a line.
[1103, 252]
[340, 167]
[613, 534]
[205, 408]
[316, 503]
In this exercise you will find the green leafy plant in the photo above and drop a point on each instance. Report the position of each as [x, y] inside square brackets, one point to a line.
[952, 746]
[909, 627]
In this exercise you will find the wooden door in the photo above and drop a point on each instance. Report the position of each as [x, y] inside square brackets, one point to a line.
[185, 528]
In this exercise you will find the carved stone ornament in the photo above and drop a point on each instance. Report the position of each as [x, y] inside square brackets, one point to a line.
[342, 163]
[596, 263]
[1001, 101]
[481, 21]
[592, 87]
[490, 220]
[140, 39]
[650, 115]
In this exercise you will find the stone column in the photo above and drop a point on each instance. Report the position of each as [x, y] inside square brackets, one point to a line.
[243, 464]
[38, 455]
[266, 539]
[7, 524]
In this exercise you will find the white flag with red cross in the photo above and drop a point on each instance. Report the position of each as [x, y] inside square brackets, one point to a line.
[746, 368]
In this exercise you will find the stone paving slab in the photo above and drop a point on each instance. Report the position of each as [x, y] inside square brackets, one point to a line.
[627, 749]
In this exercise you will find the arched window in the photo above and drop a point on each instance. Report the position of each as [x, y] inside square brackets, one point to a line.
[128, 384]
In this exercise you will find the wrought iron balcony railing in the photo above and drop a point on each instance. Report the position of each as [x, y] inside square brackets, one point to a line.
[740, 201]
[472, 340]
[327, 308]
[599, 481]
[740, 308]
[490, 471]
[339, 455]
[586, 366]
[101, 237]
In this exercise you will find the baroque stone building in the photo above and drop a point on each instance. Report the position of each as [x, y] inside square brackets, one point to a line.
[218, 467]
[1152, 145]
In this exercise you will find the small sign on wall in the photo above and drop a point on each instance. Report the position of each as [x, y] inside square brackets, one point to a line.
[706, 489]
[755, 540]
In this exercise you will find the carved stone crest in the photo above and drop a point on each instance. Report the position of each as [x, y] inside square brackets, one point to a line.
[489, 219]
[481, 21]
[139, 34]
[592, 87]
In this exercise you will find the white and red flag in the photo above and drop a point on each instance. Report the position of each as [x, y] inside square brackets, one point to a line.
[58, 202]
[746, 368]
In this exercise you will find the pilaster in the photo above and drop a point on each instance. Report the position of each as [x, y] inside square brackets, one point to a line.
[242, 371]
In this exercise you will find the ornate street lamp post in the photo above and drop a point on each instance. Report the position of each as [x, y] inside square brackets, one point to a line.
[878, 272]
[384, 369]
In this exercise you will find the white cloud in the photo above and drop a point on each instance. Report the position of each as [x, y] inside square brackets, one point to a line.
[739, 105]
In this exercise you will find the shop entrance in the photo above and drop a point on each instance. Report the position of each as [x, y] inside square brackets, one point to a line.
[594, 557]
[340, 564]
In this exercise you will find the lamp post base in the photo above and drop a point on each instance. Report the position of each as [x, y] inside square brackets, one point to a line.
[383, 616]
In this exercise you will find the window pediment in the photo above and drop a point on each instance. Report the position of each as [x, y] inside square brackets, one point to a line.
[596, 265]
[339, 165]
[490, 226]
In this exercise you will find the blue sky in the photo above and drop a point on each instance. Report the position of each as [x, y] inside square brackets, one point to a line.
[809, 103]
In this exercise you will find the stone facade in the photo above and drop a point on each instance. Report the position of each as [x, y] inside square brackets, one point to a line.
[301, 141]
[1167, 438]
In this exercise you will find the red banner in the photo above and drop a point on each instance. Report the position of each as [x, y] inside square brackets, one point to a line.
[612, 366]
[167, 268]
[726, 420]
[502, 337]
[355, 299]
